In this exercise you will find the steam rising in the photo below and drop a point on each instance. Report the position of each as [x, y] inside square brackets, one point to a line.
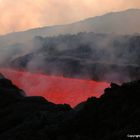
[85, 55]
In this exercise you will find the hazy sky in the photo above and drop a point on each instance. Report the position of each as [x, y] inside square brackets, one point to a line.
[18, 15]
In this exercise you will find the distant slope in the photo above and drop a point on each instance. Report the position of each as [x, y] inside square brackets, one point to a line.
[20, 43]
[124, 22]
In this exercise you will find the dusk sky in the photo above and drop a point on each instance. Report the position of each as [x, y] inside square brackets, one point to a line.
[17, 15]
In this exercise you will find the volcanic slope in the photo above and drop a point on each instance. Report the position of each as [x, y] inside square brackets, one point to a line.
[115, 115]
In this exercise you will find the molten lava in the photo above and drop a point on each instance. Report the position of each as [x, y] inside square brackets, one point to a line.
[59, 90]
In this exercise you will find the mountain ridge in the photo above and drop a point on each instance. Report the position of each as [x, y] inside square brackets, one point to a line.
[60, 27]
[82, 20]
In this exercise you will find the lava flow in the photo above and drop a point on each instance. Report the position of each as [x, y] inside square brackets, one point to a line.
[59, 90]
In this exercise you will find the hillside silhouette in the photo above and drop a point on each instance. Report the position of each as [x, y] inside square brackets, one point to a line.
[111, 117]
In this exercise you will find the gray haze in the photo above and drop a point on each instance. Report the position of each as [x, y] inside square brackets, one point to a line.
[85, 55]
[109, 29]
[125, 22]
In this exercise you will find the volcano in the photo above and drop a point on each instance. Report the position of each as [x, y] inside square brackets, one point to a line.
[58, 90]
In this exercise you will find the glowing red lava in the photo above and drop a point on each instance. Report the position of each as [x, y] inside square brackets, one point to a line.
[59, 90]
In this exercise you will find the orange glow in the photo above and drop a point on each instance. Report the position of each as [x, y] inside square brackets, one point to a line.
[56, 89]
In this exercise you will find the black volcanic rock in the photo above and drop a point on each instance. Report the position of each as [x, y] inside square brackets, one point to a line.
[113, 116]
[9, 93]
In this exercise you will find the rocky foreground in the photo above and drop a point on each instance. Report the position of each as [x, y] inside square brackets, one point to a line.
[113, 116]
